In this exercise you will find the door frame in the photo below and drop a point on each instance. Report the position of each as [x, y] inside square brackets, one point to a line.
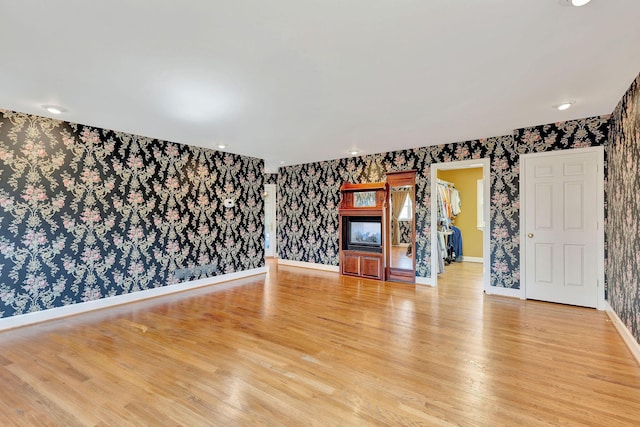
[272, 189]
[485, 164]
[599, 150]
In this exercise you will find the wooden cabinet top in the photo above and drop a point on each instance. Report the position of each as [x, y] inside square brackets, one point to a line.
[372, 186]
[364, 198]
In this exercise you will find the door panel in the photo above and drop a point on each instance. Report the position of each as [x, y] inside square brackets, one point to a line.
[561, 229]
[573, 169]
[270, 220]
[574, 265]
[574, 197]
[371, 266]
[543, 202]
[350, 264]
[544, 263]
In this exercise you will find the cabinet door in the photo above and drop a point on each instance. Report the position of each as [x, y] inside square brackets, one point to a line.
[351, 264]
[372, 267]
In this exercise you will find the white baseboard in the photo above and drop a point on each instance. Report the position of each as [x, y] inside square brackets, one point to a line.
[472, 259]
[83, 307]
[625, 333]
[424, 281]
[505, 292]
[312, 265]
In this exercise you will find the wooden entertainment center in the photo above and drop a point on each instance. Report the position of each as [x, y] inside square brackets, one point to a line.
[377, 228]
[363, 222]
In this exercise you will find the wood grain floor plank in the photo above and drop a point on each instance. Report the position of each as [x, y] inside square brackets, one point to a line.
[305, 347]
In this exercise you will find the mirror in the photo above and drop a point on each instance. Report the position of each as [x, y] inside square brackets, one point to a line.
[401, 217]
[401, 227]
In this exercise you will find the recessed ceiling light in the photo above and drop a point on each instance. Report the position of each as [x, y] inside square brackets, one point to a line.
[576, 3]
[222, 146]
[354, 152]
[564, 105]
[282, 162]
[54, 109]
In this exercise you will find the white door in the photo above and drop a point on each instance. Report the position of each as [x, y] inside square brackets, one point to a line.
[561, 230]
[270, 220]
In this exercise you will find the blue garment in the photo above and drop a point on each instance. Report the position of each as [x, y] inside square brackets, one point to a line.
[455, 240]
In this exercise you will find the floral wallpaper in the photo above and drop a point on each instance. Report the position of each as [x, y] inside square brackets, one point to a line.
[88, 213]
[404, 236]
[623, 225]
[308, 194]
[270, 178]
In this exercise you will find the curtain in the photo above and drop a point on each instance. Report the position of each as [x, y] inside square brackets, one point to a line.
[398, 198]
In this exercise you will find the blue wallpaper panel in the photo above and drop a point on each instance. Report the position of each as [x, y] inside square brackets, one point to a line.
[623, 225]
[87, 213]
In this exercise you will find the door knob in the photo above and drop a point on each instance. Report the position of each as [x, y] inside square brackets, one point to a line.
[530, 235]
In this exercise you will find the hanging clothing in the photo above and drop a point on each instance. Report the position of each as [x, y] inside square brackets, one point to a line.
[456, 243]
[449, 237]
[444, 211]
[455, 202]
[442, 242]
[448, 202]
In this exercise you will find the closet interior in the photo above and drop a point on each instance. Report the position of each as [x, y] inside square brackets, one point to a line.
[459, 223]
[449, 236]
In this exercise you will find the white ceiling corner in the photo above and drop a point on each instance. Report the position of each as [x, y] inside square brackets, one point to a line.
[300, 81]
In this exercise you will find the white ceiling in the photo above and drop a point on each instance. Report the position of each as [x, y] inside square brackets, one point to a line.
[296, 81]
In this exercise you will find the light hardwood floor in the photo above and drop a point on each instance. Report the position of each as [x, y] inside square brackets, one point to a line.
[305, 347]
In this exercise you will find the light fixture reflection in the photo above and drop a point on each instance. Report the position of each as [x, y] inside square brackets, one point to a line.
[191, 96]
[54, 109]
[564, 105]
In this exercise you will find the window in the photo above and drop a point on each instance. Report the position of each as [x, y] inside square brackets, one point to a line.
[406, 214]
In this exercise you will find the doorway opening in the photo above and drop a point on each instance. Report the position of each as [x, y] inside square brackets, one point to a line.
[479, 212]
[270, 237]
